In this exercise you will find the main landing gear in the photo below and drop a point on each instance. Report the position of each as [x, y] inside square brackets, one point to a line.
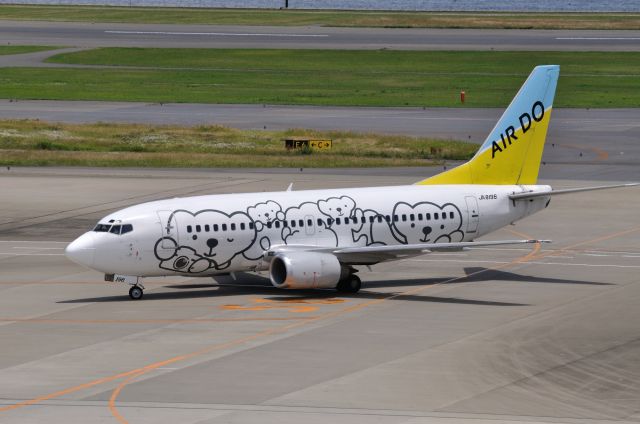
[350, 284]
[136, 292]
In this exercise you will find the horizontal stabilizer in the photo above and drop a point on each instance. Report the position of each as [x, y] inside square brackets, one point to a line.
[534, 194]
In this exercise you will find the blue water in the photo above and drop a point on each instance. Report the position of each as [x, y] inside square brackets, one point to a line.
[440, 5]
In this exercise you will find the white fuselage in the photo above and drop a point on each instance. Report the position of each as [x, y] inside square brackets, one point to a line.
[208, 235]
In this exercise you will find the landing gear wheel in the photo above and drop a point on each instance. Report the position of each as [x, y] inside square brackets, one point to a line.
[350, 284]
[136, 292]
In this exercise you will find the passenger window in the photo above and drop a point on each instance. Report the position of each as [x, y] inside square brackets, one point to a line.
[346, 221]
[371, 219]
[363, 220]
[198, 228]
[329, 221]
[419, 217]
[451, 215]
[224, 227]
[428, 217]
[251, 225]
[379, 218]
[309, 222]
[387, 218]
[126, 228]
[215, 227]
[233, 227]
[412, 217]
[301, 223]
[269, 224]
[338, 221]
[206, 228]
[242, 226]
[115, 229]
[285, 224]
[436, 216]
[189, 229]
[277, 224]
[320, 222]
[293, 223]
[395, 218]
[404, 217]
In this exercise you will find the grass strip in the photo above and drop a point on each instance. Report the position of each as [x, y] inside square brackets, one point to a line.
[36, 143]
[334, 18]
[7, 50]
[326, 77]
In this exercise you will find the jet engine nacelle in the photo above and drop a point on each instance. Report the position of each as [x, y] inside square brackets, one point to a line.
[305, 270]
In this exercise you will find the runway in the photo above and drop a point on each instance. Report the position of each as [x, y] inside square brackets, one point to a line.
[70, 34]
[499, 335]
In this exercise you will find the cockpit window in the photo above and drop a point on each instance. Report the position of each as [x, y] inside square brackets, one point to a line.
[113, 229]
[102, 228]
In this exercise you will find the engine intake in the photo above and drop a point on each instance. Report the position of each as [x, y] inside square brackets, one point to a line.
[305, 270]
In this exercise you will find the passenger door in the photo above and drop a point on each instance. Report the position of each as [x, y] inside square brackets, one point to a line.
[473, 214]
[169, 229]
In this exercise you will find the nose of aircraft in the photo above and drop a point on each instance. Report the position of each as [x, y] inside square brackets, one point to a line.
[82, 250]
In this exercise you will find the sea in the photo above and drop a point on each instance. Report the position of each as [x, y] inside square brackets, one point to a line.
[398, 5]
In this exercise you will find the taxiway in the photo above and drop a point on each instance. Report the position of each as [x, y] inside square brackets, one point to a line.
[500, 335]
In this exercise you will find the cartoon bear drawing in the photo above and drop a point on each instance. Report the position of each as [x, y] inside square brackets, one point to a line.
[431, 223]
[212, 235]
[316, 233]
[264, 216]
[344, 220]
[337, 206]
[376, 231]
[180, 259]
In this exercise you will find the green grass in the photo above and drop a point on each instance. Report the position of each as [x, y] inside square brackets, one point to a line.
[326, 77]
[323, 17]
[6, 50]
[32, 143]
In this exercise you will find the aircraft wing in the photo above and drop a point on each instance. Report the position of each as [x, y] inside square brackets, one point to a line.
[374, 254]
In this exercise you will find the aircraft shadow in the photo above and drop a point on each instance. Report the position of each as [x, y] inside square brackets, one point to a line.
[247, 283]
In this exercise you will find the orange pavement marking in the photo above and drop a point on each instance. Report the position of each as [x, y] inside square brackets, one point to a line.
[601, 154]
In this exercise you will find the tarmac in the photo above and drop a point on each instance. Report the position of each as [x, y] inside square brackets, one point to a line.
[489, 335]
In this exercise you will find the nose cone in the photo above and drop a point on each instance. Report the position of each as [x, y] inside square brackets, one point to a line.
[82, 250]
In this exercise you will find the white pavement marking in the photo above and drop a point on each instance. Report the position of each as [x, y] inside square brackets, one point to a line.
[31, 254]
[599, 38]
[223, 34]
[32, 241]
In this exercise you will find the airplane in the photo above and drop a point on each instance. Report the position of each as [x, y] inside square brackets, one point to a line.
[316, 238]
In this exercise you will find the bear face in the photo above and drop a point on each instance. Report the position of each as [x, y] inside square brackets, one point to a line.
[337, 206]
[265, 212]
[431, 223]
[214, 235]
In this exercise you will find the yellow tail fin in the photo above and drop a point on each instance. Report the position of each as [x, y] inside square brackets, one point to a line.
[512, 152]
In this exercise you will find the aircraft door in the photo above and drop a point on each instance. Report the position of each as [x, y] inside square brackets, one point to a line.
[169, 228]
[473, 214]
[310, 225]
